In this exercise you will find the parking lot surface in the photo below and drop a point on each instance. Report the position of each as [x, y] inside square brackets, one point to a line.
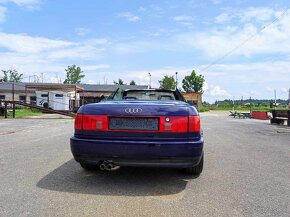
[246, 173]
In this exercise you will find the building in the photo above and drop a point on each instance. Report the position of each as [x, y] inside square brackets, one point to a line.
[95, 92]
[193, 99]
[59, 96]
[54, 94]
[20, 92]
[63, 97]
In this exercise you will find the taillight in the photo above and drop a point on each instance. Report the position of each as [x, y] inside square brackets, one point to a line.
[79, 122]
[91, 122]
[194, 124]
[176, 124]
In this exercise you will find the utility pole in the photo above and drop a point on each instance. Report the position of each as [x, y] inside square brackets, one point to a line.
[250, 105]
[275, 99]
[176, 80]
[149, 80]
[13, 91]
[289, 99]
[233, 103]
[13, 105]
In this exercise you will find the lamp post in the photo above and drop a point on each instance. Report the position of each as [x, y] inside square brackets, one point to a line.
[275, 95]
[149, 80]
[176, 80]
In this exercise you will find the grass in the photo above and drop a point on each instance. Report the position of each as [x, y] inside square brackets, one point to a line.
[260, 108]
[204, 109]
[21, 113]
[24, 112]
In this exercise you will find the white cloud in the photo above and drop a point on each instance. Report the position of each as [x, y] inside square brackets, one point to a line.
[217, 91]
[28, 44]
[95, 67]
[257, 13]
[184, 20]
[205, 87]
[96, 41]
[216, 43]
[129, 16]
[3, 12]
[30, 54]
[82, 31]
[53, 48]
[30, 4]
[216, 2]
[222, 18]
[135, 47]
[284, 90]
[142, 9]
[250, 14]
[77, 52]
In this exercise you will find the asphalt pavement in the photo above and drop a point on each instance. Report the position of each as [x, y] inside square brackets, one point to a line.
[246, 173]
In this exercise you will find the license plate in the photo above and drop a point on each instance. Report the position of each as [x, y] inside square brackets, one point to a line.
[133, 123]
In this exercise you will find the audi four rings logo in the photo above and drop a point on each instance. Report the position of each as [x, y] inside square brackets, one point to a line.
[133, 110]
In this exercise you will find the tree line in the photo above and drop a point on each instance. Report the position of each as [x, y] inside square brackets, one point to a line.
[74, 75]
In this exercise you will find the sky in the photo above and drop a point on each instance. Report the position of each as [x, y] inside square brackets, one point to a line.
[241, 47]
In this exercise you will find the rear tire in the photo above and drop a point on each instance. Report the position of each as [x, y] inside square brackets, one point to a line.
[196, 170]
[89, 167]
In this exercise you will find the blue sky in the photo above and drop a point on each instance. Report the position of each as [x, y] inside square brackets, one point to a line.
[128, 38]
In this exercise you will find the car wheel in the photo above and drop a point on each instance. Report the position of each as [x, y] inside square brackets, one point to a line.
[89, 167]
[196, 170]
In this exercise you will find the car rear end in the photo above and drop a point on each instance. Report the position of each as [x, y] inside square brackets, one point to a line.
[138, 134]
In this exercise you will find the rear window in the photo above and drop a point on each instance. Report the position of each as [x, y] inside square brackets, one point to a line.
[143, 95]
[148, 95]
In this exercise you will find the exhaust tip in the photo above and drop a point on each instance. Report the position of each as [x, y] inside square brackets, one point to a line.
[102, 166]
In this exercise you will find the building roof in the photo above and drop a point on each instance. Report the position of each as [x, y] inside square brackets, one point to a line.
[110, 87]
[7, 86]
[20, 86]
[47, 86]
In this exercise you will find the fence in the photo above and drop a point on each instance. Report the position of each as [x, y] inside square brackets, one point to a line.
[13, 95]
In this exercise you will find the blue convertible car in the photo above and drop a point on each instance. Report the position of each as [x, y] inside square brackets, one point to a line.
[154, 128]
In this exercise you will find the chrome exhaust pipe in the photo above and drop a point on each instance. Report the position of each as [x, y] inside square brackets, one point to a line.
[103, 166]
[108, 165]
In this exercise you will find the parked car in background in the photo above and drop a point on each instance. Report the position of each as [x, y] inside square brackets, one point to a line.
[152, 128]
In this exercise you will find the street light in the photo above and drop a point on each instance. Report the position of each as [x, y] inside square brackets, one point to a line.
[149, 80]
[176, 79]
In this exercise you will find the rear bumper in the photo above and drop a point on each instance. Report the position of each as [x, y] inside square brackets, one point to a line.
[138, 153]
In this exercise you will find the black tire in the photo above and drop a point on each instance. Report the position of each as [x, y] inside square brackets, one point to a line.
[45, 105]
[196, 170]
[89, 167]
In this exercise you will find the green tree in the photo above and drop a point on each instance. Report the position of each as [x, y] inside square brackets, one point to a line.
[119, 82]
[74, 75]
[193, 82]
[5, 76]
[132, 82]
[167, 83]
[11, 75]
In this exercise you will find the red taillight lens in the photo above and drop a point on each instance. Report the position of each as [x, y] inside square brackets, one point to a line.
[194, 124]
[91, 122]
[95, 122]
[174, 124]
[79, 122]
